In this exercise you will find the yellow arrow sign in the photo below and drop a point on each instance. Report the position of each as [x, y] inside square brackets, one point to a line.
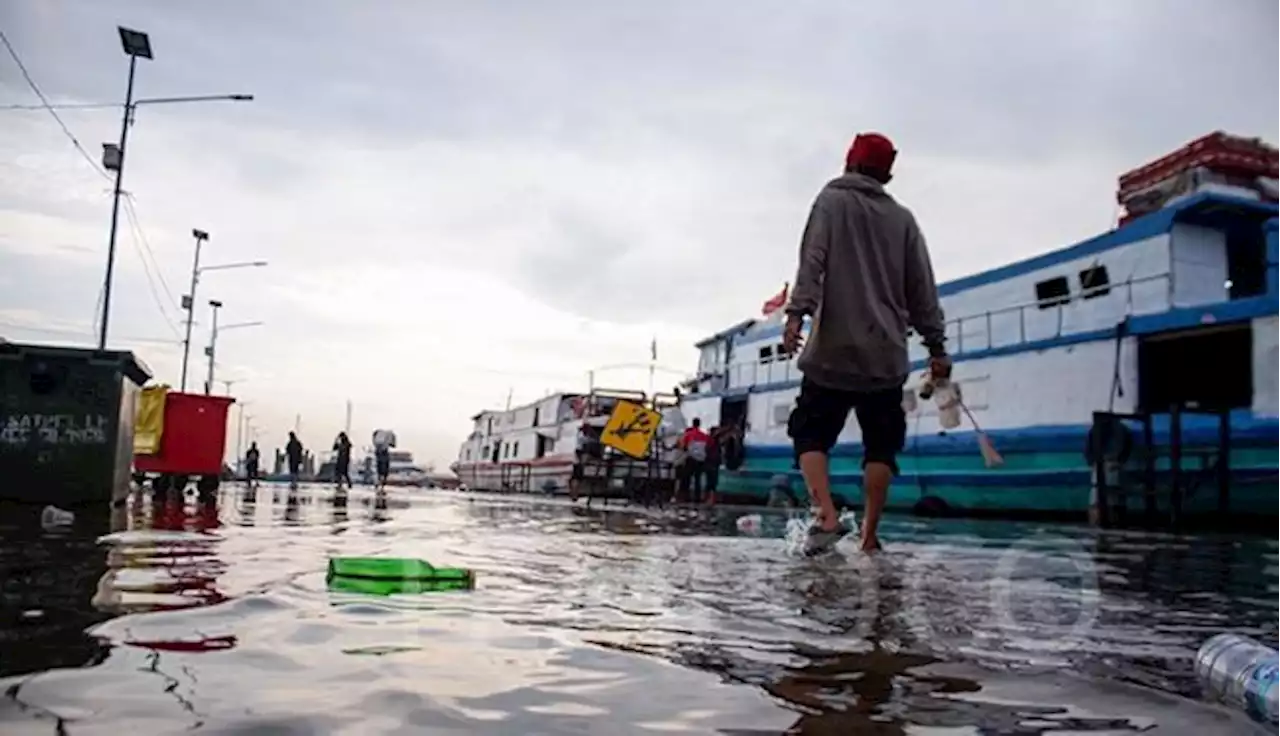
[630, 429]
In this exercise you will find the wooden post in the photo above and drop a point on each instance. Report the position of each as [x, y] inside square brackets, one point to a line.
[1175, 465]
[1100, 509]
[1224, 463]
[1149, 469]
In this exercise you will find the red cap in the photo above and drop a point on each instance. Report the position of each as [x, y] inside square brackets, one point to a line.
[873, 151]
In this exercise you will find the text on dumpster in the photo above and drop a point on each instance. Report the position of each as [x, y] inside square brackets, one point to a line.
[53, 429]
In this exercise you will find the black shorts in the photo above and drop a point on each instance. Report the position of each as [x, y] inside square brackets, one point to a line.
[820, 415]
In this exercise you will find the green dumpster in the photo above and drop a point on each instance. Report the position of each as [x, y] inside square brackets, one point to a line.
[66, 423]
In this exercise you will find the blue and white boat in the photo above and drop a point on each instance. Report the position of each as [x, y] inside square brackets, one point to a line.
[1175, 307]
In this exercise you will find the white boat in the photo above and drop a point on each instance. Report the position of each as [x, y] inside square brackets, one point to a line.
[404, 471]
[1162, 332]
[532, 448]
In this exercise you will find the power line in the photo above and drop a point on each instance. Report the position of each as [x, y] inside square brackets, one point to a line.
[68, 106]
[44, 102]
[80, 333]
[146, 271]
[140, 240]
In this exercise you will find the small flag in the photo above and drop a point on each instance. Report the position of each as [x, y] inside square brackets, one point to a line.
[653, 350]
[776, 302]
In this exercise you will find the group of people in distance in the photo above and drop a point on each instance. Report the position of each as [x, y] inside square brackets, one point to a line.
[697, 463]
[383, 441]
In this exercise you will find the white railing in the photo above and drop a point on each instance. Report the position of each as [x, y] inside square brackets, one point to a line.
[1006, 327]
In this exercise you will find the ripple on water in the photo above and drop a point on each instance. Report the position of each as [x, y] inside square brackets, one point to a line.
[608, 621]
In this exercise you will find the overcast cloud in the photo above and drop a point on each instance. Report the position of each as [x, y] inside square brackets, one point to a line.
[461, 199]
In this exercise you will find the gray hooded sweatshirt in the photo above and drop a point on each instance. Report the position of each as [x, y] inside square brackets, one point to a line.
[864, 277]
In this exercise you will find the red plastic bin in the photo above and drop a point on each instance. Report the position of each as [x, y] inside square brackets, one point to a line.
[194, 438]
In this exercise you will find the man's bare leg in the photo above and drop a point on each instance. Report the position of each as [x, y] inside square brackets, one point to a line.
[876, 478]
[813, 466]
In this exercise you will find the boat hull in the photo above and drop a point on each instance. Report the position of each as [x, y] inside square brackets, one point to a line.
[1044, 473]
[547, 475]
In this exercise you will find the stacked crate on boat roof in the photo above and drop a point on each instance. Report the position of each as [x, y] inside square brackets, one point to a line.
[1244, 167]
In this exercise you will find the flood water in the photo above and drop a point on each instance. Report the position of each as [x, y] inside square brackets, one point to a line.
[163, 619]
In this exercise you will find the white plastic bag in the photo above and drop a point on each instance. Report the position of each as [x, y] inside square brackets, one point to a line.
[946, 395]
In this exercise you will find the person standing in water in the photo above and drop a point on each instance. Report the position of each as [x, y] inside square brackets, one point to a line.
[864, 277]
[293, 451]
[342, 460]
[383, 441]
[251, 458]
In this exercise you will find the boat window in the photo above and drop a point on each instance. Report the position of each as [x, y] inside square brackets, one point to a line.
[766, 354]
[1053, 292]
[1095, 282]
[781, 414]
[515, 449]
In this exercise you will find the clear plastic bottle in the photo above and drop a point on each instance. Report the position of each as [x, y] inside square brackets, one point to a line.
[1242, 672]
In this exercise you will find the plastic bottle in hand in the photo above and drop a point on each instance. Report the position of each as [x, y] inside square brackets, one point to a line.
[1240, 671]
[946, 395]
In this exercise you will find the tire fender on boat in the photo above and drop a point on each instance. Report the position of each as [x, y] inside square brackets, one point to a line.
[931, 506]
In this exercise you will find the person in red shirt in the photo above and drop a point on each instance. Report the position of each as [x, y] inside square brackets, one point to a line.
[694, 442]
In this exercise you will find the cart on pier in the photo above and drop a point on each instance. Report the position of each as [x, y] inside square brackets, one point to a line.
[180, 437]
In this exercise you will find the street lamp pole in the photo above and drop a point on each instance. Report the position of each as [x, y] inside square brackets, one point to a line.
[213, 342]
[240, 434]
[135, 44]
[189, 303]
[212, 349]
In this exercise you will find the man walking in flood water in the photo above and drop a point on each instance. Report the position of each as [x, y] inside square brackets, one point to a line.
[383, 441]
[864, 277]
[342, 460]
[293, 451]
[251, 459]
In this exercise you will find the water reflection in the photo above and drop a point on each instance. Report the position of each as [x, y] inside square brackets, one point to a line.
[170, 563]
[47, 580]
[579, 616]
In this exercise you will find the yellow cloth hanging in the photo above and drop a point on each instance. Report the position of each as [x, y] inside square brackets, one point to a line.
[149, 426]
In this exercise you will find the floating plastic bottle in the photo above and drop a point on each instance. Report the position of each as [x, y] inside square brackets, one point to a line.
[1240, 671]
[750, 524]
[392, 575]
[53, 517]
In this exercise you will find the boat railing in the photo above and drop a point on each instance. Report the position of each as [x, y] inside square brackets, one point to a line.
[1066, 318]
[1096, 308]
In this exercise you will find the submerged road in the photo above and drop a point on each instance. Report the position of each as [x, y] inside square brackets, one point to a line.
[607, 621]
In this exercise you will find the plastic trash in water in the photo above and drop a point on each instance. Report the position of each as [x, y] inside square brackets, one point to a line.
[53, 517]
[394, 575]
[750, 524]
[1238, 670]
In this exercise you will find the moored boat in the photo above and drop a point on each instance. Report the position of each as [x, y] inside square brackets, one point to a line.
[1159, 337]
[534, 448]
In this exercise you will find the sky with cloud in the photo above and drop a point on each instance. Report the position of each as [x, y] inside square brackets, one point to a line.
[462, 200]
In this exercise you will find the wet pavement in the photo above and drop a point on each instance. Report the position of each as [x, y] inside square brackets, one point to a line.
[163, 618]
